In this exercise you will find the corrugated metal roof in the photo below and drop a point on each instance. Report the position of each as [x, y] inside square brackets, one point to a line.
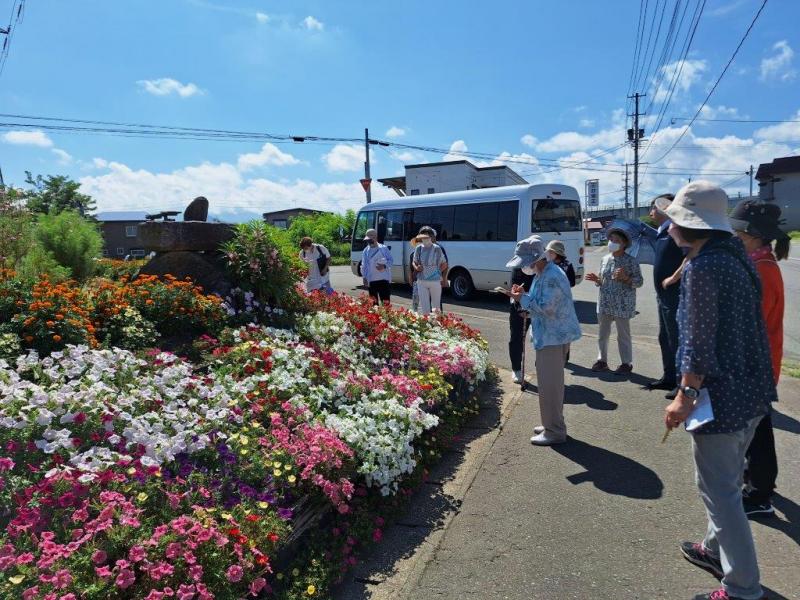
[121, 215]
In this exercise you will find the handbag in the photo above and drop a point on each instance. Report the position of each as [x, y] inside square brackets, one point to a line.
[322, 260]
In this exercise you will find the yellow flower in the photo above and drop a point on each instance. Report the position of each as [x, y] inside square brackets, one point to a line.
[311, 590]
[244, 441]
[243, 451]
[292, 478]
[263, 505]
[132, 471]
[226, 516]
[277, 472]
[277, 464]
[279, 576]
[141, 497]
[287, 467]
[295, 572]
[17, 579]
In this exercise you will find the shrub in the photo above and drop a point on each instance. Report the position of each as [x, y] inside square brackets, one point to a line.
[264, 261]
[16, 233]
[74, 242]
[129, 330]
[112, 268]
[57, 314]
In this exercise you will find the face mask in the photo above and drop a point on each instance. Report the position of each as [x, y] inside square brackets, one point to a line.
[372, 242]
[551, 257]
[528, 270]
[427, 243]
[613, 246]
[676, 237]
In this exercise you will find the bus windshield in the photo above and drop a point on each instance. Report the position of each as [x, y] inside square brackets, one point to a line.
[555, 215]
[365, 220]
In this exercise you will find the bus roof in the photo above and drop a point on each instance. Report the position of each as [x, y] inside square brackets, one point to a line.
[495, 194]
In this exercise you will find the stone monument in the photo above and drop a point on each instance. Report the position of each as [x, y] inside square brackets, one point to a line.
[188, 248]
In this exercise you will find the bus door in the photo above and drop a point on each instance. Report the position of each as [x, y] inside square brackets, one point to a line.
[389, 225]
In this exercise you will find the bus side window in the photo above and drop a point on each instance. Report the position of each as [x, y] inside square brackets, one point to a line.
[487, 222]
[465, 222]
[442, 221]
[507, 216]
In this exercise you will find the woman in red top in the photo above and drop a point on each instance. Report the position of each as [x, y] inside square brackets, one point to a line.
[756, 224]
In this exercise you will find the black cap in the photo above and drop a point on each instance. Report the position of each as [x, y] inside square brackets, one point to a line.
[761, 219]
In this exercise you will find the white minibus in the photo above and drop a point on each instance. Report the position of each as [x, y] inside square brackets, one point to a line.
[478, 230]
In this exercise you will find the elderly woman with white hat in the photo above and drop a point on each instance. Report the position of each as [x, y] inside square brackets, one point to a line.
[554, 326]
[725, 377]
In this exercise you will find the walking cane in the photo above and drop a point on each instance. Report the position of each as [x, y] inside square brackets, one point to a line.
[524, 347]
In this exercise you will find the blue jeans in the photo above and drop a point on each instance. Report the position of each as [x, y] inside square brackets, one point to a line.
[719, 464]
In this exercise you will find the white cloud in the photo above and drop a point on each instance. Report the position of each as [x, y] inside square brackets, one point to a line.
[99, 163]
[586, 123]
[782, 132]
[269, 155]
[779, 66]
[232, 196]
[719, 112]
[457, 149]
[529, 140]
[572, 141]
[167, 86]
[346, 157]
[395, 132]
[406, 156]
[313, 24]
[262, 17]
[64, 158]
[688, 72]
[725, 9]
[28, 138]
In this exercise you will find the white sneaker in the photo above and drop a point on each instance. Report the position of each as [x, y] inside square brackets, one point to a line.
[538, 429]
[545, 440]
[517, 376]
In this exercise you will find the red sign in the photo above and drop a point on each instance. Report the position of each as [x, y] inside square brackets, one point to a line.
[365, 184]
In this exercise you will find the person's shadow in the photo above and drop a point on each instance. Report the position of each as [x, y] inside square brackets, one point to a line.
[784, 422]
[580, 394]
[790, 524]
[581, 371]
[610, 472]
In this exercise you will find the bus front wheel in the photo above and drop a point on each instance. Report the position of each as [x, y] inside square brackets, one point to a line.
[461, 286]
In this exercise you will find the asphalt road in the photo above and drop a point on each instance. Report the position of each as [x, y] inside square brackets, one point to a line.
[489, 312]
[598, 517]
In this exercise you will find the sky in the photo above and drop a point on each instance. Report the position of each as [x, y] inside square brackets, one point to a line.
[540, 84]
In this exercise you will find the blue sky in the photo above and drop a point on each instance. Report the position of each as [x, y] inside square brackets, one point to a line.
[531, 80]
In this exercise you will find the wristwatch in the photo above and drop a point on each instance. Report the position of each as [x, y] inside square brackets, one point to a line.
[690, 392]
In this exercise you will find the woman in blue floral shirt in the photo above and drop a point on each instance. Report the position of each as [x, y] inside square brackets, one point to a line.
[619, 277]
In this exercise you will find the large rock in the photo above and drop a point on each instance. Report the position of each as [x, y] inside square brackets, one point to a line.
[197, 210]
[206, 270]
[179, 236]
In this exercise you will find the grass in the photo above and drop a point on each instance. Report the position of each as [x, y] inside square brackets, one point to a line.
[795, 235]
[791, 368]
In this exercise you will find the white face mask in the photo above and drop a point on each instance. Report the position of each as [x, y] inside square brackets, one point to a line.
[427, 243]
[529, 270]
[613, 246]
[551, 257]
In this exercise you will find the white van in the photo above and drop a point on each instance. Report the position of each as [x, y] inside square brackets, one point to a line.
[478, 230]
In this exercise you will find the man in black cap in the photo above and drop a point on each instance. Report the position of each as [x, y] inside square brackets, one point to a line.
[668, 258]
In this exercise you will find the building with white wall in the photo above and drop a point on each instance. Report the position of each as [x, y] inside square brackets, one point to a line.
[779, 182]
[451, 176]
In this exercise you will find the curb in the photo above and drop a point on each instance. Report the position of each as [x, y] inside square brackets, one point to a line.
[408, 572]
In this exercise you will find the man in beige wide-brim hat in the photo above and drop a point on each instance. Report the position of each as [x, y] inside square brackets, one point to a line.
[723, 362]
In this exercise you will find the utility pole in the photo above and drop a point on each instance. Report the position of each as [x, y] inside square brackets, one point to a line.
[635, 136]
[367, 185]
[750, 172]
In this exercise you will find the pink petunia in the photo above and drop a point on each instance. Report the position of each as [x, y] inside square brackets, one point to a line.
[137, 554]
[62, 579]
[234, 573]
[257, 585]
[125, 578]
[99, 557]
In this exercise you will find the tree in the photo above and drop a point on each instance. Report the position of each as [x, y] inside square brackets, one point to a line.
[73, 241]
[56, 193]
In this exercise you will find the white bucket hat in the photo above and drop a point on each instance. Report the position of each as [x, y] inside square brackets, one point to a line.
[700, 205]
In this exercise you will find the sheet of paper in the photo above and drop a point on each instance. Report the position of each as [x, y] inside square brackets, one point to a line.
[702, 412]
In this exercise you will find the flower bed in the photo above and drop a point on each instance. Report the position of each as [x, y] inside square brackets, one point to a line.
[148, 476]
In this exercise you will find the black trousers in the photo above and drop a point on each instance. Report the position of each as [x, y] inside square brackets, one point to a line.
[381, 291]
[668, 339]
[762, 463]
[518, 327]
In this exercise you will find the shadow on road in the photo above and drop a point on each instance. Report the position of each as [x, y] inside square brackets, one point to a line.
[579, 394]
[425, 511]
[611, 472]
[790, 524]
[586, 311]
[610, 376]
[785, 422]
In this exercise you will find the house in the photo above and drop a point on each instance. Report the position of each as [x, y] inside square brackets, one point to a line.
[451, 176]
[283, 218]
[779, 182]
[120, 231]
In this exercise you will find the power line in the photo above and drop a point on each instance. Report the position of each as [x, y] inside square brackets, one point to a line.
[735, 120]
[716, 83]
[8, 32]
